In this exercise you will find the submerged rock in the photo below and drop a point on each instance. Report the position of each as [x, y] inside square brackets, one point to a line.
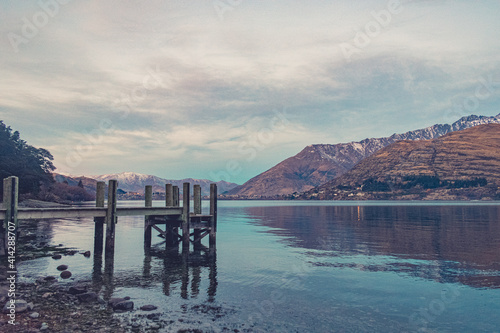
[66, 274]
[62, 267]
[124, 306]
[114, 300]
[86, 254]
[56, 256]
[148, 307]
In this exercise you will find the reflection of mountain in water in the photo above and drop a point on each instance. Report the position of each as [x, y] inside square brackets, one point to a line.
[443, 243]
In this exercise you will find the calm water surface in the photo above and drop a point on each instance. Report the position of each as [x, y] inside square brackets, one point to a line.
[308, 267]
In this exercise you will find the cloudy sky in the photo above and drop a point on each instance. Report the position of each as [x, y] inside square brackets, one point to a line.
[225, 89]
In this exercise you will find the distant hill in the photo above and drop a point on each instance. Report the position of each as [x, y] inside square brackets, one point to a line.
[135, 182]
[460, 165]
[89, 184]
[317, 164]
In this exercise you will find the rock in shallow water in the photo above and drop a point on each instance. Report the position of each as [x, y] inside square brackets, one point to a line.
[123, 306]
[66, 274]
[56, 256]
[148, 307]
[62, 267]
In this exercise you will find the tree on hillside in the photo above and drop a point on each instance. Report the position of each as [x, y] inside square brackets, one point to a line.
[32, 165]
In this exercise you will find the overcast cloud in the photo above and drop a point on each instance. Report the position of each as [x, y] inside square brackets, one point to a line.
[227, 89]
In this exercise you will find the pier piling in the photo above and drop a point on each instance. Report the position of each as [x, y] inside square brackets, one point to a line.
[99, 221]
[148, 202]
[186, 197]
[9, 226]
[111, 217]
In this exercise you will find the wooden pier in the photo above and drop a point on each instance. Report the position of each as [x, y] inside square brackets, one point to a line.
[181, 225]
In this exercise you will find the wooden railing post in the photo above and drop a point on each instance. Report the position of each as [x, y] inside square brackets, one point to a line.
[169, 195]
[171, 200]
[10, 200]
[213, 212]
[197, 199]
[175, 189]
[111, 218]
[148, 195]
[197, 210]
[99, 221]
[98, 235]
[185, 215]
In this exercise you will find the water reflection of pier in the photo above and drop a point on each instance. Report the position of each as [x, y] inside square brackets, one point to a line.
[184, 268]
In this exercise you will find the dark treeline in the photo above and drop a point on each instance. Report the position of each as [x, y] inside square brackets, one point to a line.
[33, 166]
[421, 181]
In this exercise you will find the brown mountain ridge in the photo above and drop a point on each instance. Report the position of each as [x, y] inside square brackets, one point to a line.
[320, 163]
[457, 166]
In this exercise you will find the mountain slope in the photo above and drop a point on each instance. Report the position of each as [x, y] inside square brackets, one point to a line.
[320, 163]
[463, 163]
[89, 184]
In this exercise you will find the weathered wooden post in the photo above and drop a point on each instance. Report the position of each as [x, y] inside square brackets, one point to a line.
[176, 195]
[213, 212]
[171, 200]
[10, 200]
[99, 221]
[169, 195]
[185, 216]
[176, 204]
[197, 199]
[98, 236]
[111, 218]
[197, 210]
[148, 195]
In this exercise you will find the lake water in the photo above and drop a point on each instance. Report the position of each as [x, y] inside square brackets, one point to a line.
[309, 267]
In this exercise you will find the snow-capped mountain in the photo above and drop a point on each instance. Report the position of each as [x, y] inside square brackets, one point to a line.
[135, 182]
[320, 163]
[458, 158]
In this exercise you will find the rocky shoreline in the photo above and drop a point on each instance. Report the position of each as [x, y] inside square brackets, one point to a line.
[48, 305]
